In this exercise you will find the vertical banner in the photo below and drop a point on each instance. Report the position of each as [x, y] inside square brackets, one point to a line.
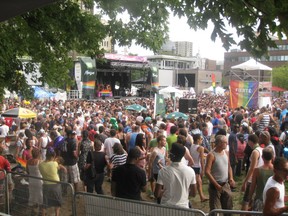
[154, 78]
[159, 105]
[173, 98]
[88, 77]
[213, 82]
[243, 94]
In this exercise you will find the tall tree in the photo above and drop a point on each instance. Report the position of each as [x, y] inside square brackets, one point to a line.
[280, 76]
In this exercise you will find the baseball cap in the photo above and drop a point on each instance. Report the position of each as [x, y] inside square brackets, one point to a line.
[70, 132]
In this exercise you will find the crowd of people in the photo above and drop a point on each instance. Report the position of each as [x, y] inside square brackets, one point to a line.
[85, 142]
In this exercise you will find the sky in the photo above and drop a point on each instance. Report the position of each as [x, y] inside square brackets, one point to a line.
[180, 31]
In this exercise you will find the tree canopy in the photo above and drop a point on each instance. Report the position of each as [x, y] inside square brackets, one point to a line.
[280, 76]
[48, 34]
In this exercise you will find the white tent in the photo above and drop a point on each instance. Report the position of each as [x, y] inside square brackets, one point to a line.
[251, 64]
[219, 90]
[168, 90]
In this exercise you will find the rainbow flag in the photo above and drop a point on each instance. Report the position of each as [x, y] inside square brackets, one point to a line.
[243, 94]
[89, 85]
[213, 82]
[21, 162]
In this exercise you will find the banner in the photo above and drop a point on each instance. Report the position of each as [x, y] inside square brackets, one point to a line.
[88, 77]
[159, 105]
[213, 82]
[154, 78]
[243, 94]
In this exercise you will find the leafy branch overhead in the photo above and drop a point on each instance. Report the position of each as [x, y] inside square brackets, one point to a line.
[48, 34]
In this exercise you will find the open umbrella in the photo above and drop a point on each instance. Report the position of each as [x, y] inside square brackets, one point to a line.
[135, 107]
[177, 115]
[19, 112]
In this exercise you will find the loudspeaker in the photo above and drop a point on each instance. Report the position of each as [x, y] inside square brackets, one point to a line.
[187, 105]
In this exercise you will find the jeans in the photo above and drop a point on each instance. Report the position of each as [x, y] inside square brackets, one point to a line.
[97, 183]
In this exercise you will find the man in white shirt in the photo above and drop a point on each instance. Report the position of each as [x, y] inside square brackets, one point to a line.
[4, 129]
[177, 181]
[109, 143]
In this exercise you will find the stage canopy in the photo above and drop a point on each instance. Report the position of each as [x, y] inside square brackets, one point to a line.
[251, 64]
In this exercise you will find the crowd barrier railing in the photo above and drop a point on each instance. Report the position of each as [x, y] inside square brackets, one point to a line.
[28, 194]
[3, 191]
[224, 212]
[92, 204]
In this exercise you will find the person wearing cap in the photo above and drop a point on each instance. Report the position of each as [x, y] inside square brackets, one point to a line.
[44, 140]
[177, 181]
[70, 155]
[219, 173]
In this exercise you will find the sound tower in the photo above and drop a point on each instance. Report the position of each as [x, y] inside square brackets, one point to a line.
[187, 105]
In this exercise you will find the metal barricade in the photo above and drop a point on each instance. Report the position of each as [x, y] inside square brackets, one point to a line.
[29, 193]
[97, 205]
[4, 190]
[221, 212]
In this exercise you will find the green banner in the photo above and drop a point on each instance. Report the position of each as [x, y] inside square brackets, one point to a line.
[160, 106]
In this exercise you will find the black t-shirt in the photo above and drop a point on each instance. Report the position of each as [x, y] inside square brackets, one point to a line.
[129, 180]
[99, 161]
[68, 156]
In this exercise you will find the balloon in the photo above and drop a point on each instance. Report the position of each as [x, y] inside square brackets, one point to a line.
[58, 141]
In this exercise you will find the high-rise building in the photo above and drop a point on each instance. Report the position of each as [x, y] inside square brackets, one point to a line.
[177, 48]
[184, 48]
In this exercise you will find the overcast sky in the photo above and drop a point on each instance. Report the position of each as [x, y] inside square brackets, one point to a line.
[180, 31]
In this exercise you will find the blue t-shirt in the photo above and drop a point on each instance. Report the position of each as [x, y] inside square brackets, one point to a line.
[215, 122]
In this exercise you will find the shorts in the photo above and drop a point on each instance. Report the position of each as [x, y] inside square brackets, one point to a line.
[73, 173]
[52, 195]
[196, 170]
[246, 194]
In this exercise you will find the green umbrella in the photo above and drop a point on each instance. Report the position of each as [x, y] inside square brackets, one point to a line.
[177, 115]
[135, 107]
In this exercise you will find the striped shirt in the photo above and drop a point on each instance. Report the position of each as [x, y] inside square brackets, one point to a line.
[264, 122]
[118, 160]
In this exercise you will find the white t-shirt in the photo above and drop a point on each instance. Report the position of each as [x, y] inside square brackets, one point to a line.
[108, 144]
[4, 129]
[176, 180]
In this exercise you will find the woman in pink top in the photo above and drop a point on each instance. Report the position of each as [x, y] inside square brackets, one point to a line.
[27, 153]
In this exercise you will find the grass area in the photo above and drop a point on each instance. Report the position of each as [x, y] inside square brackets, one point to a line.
[204, 206]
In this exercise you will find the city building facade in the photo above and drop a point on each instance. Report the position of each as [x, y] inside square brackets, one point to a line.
[186, 72]
[277, 56]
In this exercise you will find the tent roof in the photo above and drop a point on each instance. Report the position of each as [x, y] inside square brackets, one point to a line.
[11, 8]
[251, 64]
[276, 88]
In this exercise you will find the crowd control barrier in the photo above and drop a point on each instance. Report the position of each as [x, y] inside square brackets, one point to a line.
[20, 200]
[100, 205]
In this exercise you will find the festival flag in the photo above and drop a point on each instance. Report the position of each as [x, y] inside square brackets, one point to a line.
[21, 162]
[160, 106]
[243, 94]
[88, 77]
[154, 78]
[213, 82]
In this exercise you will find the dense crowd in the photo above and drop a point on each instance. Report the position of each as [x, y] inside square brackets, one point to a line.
[83, 142]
